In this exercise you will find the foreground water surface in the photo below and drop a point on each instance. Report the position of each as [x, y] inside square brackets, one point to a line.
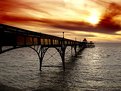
[95, 69]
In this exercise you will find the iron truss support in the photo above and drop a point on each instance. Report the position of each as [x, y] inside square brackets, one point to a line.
[61, 51]
[41, 54]
[42, 50]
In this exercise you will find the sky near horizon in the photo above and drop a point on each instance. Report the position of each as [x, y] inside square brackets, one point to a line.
[96, 20]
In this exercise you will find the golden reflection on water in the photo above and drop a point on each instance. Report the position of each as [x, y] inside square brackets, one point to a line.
[95, 68]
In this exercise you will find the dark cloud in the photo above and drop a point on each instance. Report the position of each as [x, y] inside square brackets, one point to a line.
[109, 28]
[107, 22]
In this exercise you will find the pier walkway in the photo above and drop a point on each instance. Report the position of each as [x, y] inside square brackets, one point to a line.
[39, 42]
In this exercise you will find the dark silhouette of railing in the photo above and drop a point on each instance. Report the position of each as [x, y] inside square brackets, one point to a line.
[17, 38]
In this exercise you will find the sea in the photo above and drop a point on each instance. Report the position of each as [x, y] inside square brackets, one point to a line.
[94, 69]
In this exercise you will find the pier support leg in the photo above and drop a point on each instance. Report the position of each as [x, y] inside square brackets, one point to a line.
[63, 56]
[41, 55]
[63, 60]
[40, 59]
[61, 51]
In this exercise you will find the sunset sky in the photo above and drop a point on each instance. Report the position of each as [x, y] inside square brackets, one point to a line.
[96, 20]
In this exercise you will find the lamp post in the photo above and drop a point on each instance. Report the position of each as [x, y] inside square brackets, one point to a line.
[63, 34]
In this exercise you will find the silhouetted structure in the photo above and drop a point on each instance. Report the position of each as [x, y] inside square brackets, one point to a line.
[85, 40]
[39, 42]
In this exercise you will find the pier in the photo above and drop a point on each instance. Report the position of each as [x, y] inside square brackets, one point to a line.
[39, 42]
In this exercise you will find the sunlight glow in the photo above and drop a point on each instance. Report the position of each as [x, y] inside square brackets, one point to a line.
[87, 14]
[94, 17]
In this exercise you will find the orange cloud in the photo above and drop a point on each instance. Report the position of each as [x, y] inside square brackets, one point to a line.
[66, 16]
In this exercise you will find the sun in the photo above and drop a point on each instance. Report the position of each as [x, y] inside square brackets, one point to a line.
[94, 17]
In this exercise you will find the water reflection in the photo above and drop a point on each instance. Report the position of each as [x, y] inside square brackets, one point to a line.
[95, 69]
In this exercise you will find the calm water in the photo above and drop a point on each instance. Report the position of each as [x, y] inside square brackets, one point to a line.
[95, 69]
